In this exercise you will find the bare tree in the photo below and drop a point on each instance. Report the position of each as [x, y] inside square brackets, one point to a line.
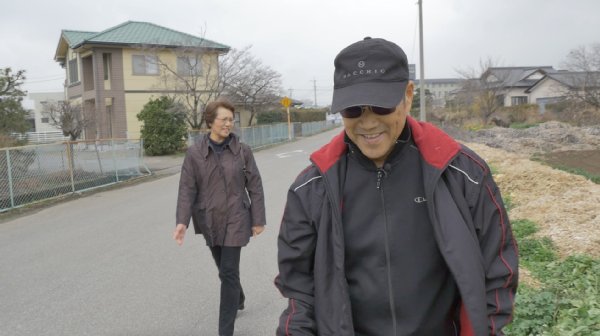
[484, 87]
[584, 76]
[196, 79]
[70, 118]
[250, 83]
[193, 80]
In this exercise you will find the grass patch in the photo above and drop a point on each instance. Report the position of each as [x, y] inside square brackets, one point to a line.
[577, 171]
[568, 300]
[571, 170]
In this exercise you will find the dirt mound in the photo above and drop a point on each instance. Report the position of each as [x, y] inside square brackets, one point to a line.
[548, 137]
[565, 206]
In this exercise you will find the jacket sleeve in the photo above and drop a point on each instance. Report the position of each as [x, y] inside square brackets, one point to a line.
[255, 189]
[296, 249]
[500, 255]
[188, 191]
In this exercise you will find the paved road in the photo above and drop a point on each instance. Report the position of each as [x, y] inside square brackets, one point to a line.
[105, 264]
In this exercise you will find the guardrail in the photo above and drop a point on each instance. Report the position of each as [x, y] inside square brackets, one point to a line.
[264, 135]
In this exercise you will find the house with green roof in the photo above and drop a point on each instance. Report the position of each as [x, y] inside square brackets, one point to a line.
[113, 73]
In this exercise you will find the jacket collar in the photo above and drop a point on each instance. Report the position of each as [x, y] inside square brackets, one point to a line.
[436, 147]
[204, 144]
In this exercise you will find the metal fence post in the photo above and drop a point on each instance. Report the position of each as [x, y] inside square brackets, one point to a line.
[112, 145]
[10, 182]
[70, 159]
[141, 157]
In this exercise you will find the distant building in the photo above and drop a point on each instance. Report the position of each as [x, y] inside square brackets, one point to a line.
[540, 85]
[441, 89]
[42, 122]
[412, 72]
[515, 81]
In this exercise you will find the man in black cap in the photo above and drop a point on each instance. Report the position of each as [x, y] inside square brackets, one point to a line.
[395, 228]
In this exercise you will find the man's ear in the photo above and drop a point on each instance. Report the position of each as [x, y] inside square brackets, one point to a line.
[409, 93]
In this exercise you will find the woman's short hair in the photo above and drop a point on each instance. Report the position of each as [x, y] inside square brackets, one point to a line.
[210, 111]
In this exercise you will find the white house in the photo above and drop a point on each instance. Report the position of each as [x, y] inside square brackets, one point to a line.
[42, 122]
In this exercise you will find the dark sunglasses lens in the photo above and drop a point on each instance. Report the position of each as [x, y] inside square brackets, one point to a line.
[356, 111]
[351, 112]
[382, 110]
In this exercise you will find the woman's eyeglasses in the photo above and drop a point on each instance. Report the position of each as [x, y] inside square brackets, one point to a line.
[356, 111]
[225, 120]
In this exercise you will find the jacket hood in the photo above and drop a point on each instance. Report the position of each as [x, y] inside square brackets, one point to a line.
[436, 147]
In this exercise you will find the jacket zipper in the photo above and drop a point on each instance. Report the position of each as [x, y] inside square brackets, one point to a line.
[226, 192]
[380, 175]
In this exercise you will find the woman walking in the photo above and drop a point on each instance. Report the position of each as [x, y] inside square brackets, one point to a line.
[220, 189]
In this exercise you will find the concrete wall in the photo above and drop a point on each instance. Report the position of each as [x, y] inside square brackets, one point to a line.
[546, 89]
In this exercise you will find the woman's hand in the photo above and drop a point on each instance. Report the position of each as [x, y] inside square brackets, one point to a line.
[257, 229]
[179, 233]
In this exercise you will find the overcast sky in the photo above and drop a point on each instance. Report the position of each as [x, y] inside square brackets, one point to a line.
[300, 38]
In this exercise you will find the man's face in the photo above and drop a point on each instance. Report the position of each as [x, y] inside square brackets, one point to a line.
[375, 135]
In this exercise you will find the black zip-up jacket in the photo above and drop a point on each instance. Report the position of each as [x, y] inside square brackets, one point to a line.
[470, 224]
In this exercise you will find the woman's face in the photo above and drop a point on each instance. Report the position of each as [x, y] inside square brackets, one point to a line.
[222, 126]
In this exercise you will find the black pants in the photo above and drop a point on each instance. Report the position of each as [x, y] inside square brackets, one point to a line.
[232, 296]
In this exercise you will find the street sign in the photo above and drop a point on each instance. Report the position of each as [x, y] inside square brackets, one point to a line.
[286, 102]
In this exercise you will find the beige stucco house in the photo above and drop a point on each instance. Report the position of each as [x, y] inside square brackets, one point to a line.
[113, 73]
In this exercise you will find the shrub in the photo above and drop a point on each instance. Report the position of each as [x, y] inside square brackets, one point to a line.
[164, 130]
[271, 117]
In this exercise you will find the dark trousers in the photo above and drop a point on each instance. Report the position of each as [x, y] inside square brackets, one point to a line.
[232, 296]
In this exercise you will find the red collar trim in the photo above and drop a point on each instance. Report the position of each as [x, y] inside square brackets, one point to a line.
[436, 147]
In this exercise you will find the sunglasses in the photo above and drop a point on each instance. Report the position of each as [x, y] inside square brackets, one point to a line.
[356, 111]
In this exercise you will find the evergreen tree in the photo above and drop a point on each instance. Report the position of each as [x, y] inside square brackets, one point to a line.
[13, 117]
[164, 130]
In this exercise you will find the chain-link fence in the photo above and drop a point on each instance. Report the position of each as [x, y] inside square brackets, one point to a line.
[33, 173]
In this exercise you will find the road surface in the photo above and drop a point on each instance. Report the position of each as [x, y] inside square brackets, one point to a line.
[106, 264]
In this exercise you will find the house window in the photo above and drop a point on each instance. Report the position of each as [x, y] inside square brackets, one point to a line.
[73, 71]
[518, 100]
[145, 65]
[189, 65]
[106, 60]
[45, 120]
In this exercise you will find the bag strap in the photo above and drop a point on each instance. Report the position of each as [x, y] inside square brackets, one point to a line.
[243, 158]
[244, 170]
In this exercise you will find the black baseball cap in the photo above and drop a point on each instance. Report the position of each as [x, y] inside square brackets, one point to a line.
[372, 72]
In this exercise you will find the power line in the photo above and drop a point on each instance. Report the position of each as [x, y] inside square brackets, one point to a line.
[43, 80]
[44, 77]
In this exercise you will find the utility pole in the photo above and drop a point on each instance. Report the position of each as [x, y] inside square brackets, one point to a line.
[315, 90]
[422, 98]
[291, 92]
